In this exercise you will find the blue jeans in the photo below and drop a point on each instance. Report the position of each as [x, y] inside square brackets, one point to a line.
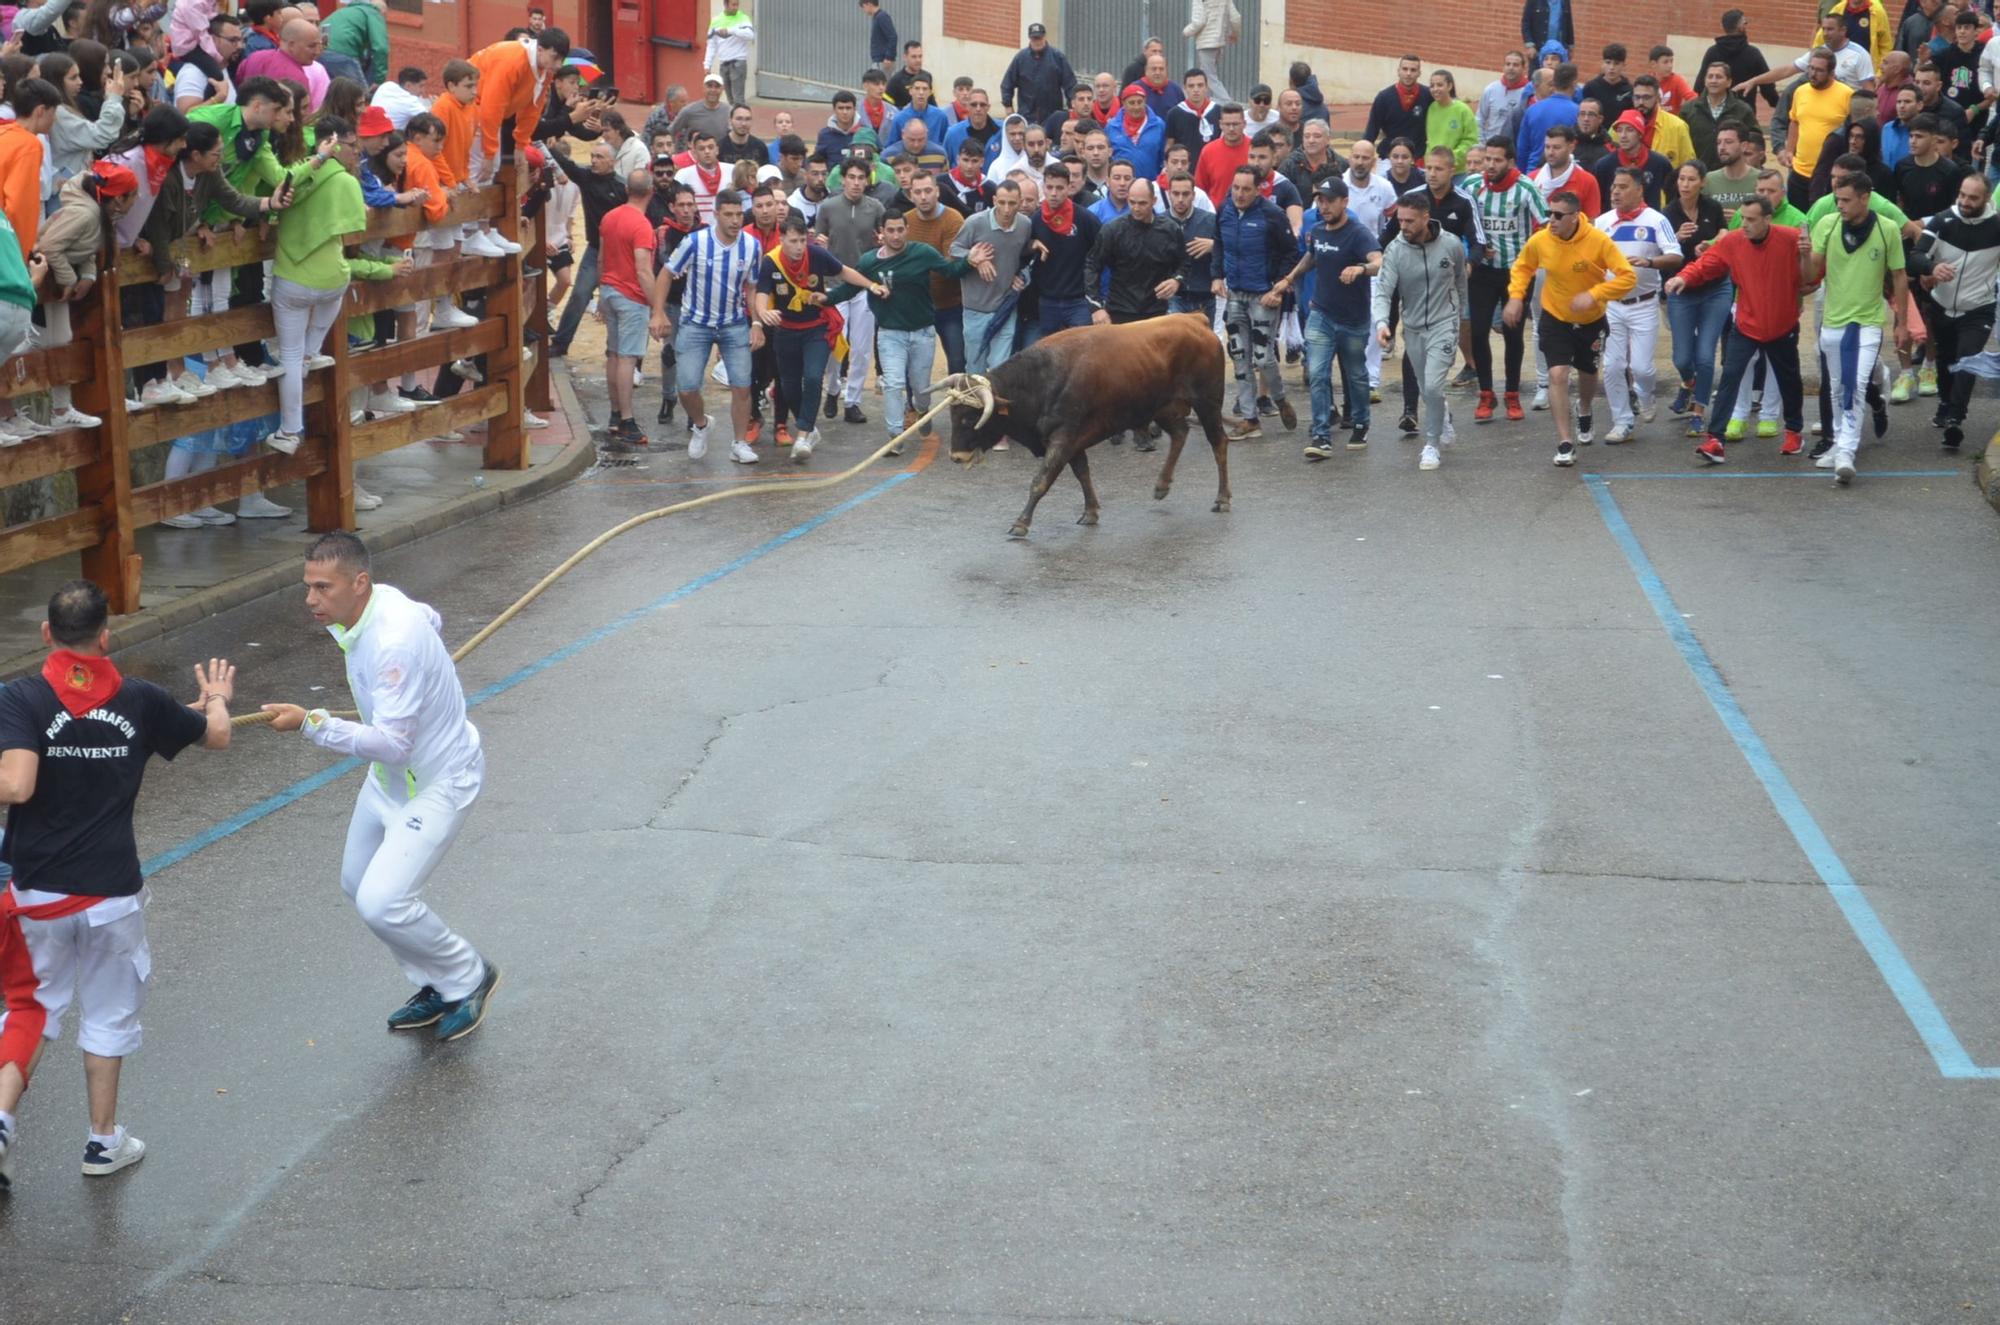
[989, 338]
[951, 335]
[1062, 314]
[904, 360]
[1696, 320]
[693, 341]
[801, 364]
[1324, 339]
[579, 297]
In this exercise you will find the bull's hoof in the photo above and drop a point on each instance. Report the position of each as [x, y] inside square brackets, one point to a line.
[1020, 529]
[1221, 505]
[1088, 517]
[1160, 491]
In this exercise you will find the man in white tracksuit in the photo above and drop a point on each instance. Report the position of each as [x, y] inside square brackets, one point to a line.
[1427, 267]
[425, 776]
[1632, 330]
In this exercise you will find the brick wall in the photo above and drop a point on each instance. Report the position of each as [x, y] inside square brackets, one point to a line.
[1474, 35]
[995, 21]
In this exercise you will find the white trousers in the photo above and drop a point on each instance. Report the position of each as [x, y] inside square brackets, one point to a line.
[1631, 337]
[1850, 353]
[393, 844]
[303, 316]
[860, 345]
[1375, 351]
[102, 968]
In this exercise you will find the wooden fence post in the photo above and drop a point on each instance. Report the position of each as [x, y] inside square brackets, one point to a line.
[114, 563]
[506, 440]
[330, 493]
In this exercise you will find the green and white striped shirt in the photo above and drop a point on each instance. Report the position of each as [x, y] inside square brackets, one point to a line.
[1509, 216]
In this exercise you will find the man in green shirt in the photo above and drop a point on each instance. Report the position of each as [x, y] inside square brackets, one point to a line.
[1854, 251]
[1733, 182]
[357, 29]
[905, 318]
[1771, 188]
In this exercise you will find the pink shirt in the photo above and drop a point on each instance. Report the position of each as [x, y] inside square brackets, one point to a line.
[274, 63]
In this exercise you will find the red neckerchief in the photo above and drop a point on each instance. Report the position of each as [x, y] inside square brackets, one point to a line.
[1638, 161]
[1102, 114]
[874, 116]
[1632, 215]
[1157, 87]
[1409, 95]
[1511, 84]
[1062, 222]
[81, 681]
[1200, 110]
[1506, 181]
[711, 180]
[1268, 185]
[1132, 128]
[965, 180]
[1646, 137]
[766, 242]
[158, 163]
[800, 278]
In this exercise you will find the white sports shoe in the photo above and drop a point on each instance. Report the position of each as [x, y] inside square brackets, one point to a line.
[506, 246]
[72, 417]
[160, 391]
[256, 506]
[1650, 410]
[1450, 432]
[223, 378]
[315, 362]
[1620, 432]
[384, 401]
[287, 442]
[364, 500]
[1565, 455]
[1430, 459]
[100, 1161]
[193, 385]
[1541, 400]
[214, 515]
[468, 370]
[1843, 467]
[802, 446]
[474, 245]
[450, 316]
[181, 522]
[743, 453]
[16, 430]
[532, 421]
[134, 405]
[698, 442]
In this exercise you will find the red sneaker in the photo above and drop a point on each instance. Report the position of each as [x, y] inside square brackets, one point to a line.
[755, 430]
[1514, 414]
[1711, 451]
[784, 435]
[1793, 443]
[1483, 412]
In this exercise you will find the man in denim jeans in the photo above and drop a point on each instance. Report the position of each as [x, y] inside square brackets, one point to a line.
[1343, 256]
[719, 267]
[1254, 249]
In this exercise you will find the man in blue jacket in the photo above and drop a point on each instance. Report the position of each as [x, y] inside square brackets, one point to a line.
[1559, 107]
[1138, 136]
[1038, 80]
[1400, 108]
[1254, 253]
[881, 36]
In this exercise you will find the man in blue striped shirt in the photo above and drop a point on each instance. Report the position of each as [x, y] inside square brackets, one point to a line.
[720, 268]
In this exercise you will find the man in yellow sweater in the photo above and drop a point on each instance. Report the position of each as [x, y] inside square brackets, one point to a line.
[1585, 272]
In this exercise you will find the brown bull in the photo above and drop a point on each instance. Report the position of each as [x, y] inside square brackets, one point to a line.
[1069, 391]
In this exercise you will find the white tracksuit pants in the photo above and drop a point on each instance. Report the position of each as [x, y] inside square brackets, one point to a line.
[860, 346]
[1632, 335]
[393, 844]
[1850, 352]
[1375, 350]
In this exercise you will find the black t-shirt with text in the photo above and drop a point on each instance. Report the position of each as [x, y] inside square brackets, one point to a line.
[771, 280]
[74, 835]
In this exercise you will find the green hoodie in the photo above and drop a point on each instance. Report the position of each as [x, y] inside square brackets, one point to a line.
[313, 231]
[15, 287]
[247, 159]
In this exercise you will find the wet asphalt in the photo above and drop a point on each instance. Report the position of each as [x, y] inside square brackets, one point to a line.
[1349, 908]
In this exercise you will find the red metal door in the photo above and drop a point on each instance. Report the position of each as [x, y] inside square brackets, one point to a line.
[631, 50]
[678, 38]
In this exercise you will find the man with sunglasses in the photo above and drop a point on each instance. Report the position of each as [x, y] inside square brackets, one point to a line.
[1583, 272]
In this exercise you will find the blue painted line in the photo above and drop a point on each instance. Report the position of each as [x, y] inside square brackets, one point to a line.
[1903, 981]
[306, 786]
[1823, 475]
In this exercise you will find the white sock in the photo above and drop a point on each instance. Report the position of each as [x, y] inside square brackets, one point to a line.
[109, 1142]
[6, 1121]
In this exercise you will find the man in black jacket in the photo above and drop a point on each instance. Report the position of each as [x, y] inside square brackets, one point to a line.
[1536, 33]
[1400, 108]
[1038, 80]
[1745, 61]
[1148, 266]
[601, 190]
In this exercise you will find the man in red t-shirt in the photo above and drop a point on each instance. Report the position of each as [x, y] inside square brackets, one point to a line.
[625, 274]
[1217, 165]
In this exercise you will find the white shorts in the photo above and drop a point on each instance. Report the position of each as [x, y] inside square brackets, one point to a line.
[102, 967]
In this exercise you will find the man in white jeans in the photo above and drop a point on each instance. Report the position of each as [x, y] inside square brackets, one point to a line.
[425, 776]
[1632, 333]
[1854, 251]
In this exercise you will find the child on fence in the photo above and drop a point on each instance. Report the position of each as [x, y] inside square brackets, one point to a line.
[416, 173]
[71, 240]
[312, 272]
[453, 158]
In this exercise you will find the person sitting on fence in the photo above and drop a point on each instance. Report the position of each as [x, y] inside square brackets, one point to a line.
[427, 169]
[247, 161]
[71, 240]
[312, 271]
[513, 82]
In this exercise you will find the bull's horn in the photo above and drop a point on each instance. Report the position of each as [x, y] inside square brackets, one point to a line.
[985, 390]
[953, 383]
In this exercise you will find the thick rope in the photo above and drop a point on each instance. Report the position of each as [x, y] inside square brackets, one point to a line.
[577, 558]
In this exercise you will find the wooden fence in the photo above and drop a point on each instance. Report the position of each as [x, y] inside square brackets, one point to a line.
[110, 508]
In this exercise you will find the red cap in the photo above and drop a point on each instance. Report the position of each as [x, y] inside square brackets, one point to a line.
[1633, 118]
[114, 180]
[1132, 90]
[375, 122]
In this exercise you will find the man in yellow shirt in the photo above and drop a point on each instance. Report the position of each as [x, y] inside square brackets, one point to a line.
[1585, 271]
[1666, 132]
[1819, 106]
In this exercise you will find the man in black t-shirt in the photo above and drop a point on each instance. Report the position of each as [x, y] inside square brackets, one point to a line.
[792, 282]
[74, 742]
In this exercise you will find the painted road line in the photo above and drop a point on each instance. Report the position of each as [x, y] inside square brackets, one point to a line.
[306, 786]
[1903, 981]
[1823, 475]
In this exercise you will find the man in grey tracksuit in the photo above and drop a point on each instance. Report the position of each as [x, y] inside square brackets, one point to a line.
[1427, 267]
[850, 224]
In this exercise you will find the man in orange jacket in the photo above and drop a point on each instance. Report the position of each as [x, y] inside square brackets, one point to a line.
[514, 81]
[34, 104]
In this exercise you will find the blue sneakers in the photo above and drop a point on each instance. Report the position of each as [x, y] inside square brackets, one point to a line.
[423, 1009]
[463, 1017]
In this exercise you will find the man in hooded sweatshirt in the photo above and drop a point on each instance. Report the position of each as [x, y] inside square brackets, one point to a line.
[1425, 267]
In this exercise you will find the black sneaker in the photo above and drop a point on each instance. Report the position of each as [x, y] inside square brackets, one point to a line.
[1954, 437]
[1407, 425]
[1880, 409]
[6, 1161]
[1116, 439]
[558, 349]
[1583, 422]
[423, 1009]
[1358, 439]
[666, 414]
[418, 395]
[1821, 447]
[853, 414]
[466, 1014]
[1266, 408]
[1319, 448]
[833, 404]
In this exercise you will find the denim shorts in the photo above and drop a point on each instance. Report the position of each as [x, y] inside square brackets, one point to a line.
[692, 342]
[625, 321]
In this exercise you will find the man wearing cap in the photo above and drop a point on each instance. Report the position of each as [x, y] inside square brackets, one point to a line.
[709, 115]
[1138, 135]
[1629, 150]
[1038, 79]
[1344, 257]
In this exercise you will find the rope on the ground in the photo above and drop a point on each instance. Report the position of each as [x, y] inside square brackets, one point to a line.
[951, 396]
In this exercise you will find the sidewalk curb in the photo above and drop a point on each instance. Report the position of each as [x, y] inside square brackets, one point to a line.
[1987, 472]
[152, 623]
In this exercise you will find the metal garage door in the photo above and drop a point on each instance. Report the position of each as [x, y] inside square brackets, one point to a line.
[1105, 34]
[809, 49]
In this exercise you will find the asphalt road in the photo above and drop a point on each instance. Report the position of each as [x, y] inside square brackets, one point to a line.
[1352, 908]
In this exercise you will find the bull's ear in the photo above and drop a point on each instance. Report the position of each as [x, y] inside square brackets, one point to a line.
[1000, 404]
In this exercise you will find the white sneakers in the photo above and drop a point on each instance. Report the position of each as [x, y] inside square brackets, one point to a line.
[101, 1161]
[287, 442]
[192, 385]
[364, 500]
[802, 446]
[742, 453]
[201, 519]
[1541, 400]
[222, 376]
[450, 316]
[1620, 432]
[382, 400]
[256, 506]
[468, 370]
[1430, 458]
[69, 416]
[489, 244]
[532, 421]
[160, 391]
[315, 362]
[1843, 466]
[698, 442]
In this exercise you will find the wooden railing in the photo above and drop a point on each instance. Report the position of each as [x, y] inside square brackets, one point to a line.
[110, 508]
